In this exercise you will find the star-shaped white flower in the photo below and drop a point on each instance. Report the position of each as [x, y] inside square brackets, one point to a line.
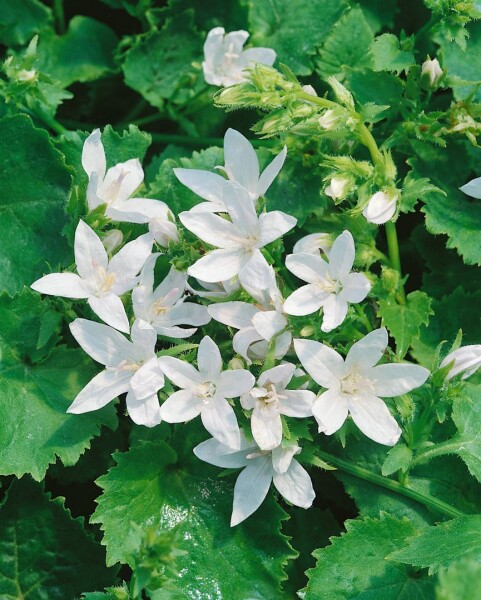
[331, 285]
[270, 399]
[131, 367]
[355, 385]
[99, 280]
[115, 186]
[467, 360]
[238, 240]
[241, 166]
[262, 468]
[164, 308]
[225, 60]
[204, 392]
[472, 188]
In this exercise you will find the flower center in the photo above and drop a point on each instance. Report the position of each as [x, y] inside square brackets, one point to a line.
[126, 365]
[205, 390]
[111, 193]
[354, 383]
[330, 285]
[230, 55]
[268, 395]
[105, 280]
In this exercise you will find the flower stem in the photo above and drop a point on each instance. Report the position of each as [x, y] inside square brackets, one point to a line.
[394, 257]
[390, 484]
[448, 447]
[200, 142]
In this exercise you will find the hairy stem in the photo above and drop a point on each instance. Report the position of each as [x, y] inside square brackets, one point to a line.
[390, 484]
[394, 257]
[448, 447]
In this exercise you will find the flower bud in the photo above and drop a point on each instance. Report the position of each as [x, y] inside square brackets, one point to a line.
[328, 120]
[314, 242]
[112, 240]
[338, 188]
[308, 89]
[163, 231]
[467, 360]
[431, 73]
[381, 207]
[27, 75]
[306, 331]
[236, 363]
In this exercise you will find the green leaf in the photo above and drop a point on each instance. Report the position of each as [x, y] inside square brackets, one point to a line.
[398, 458]
[21, 20]
[34, 397]
[404, 320]
[441, 545]
[35, 184]
[379, 13]
[388, 54]
[147, 487]
[464, 65]
[414, 189]
[382, 89]
[346, 47]
[159, 65]
[355, 565]
[46, 554]
[84, 53]
[460, 581]
[294, 34]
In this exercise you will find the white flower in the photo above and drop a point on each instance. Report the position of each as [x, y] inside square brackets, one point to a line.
[338, 188]
[257, 323]
[331, 285]
[262, 468]
[131, 367]
[241, 166]
[270, 400]
[467, 360]
[431, 73]
[116, 186]
[308, 89]
[328, 120]
[313, 243]
[472, 188]
[222, 289]
[239, 240]
[99, 280]
[204, 392]
[381, 207]
[164, 308]
[225, 59]
[355, 385]
[112, 240]
[164, 231]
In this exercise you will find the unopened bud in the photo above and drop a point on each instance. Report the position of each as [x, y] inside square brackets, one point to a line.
[308, 89]
[381, 207]
[306, 331]
[112, 240]
[27, 75]
[431, 73]
[338, 188]
[342, 93]
[467, 360]
[164, 231]
[236, 363]
[328, 120]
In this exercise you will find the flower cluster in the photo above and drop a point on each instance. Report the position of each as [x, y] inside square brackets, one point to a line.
[243, 408]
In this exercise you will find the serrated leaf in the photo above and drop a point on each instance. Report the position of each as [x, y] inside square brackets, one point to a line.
[378, 88]
[387, 54]
[456, 61]
[441, 545]
[45, 553]
[398, 458]
[21, 20]
[294, 32]
[84, 53]
[35, 184]
[148, 487]
[158, 64]
[414, 189]
[460, 581]
[404, 320]
[372, 113]
[352, 563]
[346, 47]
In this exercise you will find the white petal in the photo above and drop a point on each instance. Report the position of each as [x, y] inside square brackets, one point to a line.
[148, 380]
[218, 265]
[111, 310]
[210, 228]
[129, 175]
[233, 314]
[93, 155]
[170, 290]
[279, 375]
[308, 267]
[268, 323]
[282, 458]
[243, 339]
[103, 388]
[213, 42]
[367, 352]
[355, 287]
[104, 344]
[203, 183]
[266, 426]
[67, 285]
[322, 363]
[466, 358]
[295, 485]
[213, 452]
[241, 160]
[181, 373]
[240, 207]
[144, 412]
[330, 411]
[234, 382]
[274, 225]
[143, 335]
[266, 56]
[209, 359]
[472, 188]
[298, 403]
[93, 200]
[255, 271]
[127, 263]
[334, 312]
[174, 332]
[188, 313]
[219, 419]
[373, 418]
[306, 300]
[139, 210]
[89, 251]
[180, 407]
[380, 208]
[312, 243]
[397, 379]
[271, 171]
[341, 256]
[251, 488]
